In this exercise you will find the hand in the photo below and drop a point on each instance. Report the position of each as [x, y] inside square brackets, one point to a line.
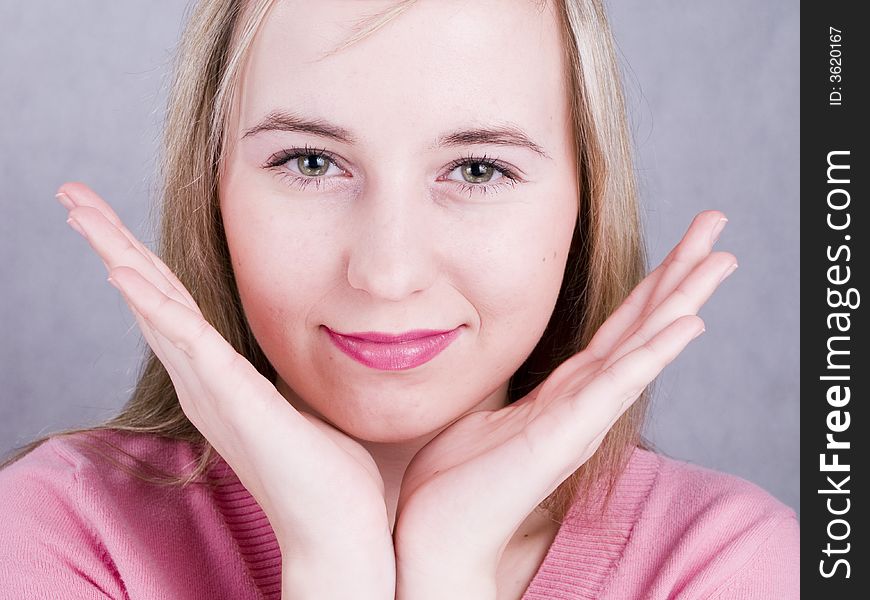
[465, 493]
[321, 491]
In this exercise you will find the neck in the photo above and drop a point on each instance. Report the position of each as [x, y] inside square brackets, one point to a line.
[392, 458]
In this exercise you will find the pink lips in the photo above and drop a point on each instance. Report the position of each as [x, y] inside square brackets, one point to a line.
[390, 352]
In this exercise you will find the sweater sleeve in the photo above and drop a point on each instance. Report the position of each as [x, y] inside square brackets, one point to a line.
[47, 546]
[773, 571]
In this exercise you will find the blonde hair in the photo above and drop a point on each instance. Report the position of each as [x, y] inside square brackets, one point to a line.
[606, 259]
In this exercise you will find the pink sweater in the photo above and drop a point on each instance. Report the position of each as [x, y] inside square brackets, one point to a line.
[76, 528]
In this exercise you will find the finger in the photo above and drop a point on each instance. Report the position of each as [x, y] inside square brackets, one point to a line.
[695, 245]
[81, 195]
[609, 394]
[189, 391]
[168, 355]
[116, 249]
[692, 249]
[626, 314]
[198, 351]
[564, 437]
[221, 392]
[686, 299]
[605, 338]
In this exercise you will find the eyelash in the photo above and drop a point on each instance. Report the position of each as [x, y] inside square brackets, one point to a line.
[509, 177]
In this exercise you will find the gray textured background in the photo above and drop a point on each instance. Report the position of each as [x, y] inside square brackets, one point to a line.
[713, 95]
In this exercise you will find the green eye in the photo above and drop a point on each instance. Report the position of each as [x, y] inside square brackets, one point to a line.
[477, 172]
[479, 175]
[312, 165]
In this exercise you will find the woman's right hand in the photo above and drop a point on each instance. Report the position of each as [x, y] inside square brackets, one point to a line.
[321, 491]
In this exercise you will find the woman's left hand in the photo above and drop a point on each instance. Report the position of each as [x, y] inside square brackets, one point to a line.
[465, 494]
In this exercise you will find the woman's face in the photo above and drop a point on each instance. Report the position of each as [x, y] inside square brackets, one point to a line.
[392, 225]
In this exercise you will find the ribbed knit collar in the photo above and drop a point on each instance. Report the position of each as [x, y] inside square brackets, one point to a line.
[587, 549]
[251, 531]
[577, 564]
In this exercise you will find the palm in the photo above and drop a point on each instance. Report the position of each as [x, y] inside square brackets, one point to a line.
[496, 454]
[312, 481]
[483, 475]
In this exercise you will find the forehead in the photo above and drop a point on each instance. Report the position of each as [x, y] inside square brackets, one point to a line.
[440, 63]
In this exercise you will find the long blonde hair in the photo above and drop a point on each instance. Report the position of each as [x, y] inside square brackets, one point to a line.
[606, 259]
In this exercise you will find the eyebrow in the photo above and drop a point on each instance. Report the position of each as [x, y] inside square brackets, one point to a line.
[501, 135]
[278, 120]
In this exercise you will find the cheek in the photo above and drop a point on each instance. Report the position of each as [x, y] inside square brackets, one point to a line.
[516, 275]
[280, 272]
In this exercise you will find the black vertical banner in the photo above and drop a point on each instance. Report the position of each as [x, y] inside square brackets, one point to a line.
[835, 363]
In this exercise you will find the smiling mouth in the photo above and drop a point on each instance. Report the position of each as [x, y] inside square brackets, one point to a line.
[391, 352]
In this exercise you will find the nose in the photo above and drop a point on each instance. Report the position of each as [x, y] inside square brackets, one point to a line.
[392, 253]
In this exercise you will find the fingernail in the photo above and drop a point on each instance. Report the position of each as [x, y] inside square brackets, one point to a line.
[699, 333]
[730, 270]
[65, 200]
[717, 230]
[117, 286]
[77, 226]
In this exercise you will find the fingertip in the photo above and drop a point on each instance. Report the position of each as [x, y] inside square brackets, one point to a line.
[122, 289]
[694, 320]
[114, 283]
[72, 188]
[719, 261]
[65, 200]
[713, 214]
[701, 328]
[123, 274]
[717, 229]
[693, 325]
[82, 195]
[78, 212]
[63, 189]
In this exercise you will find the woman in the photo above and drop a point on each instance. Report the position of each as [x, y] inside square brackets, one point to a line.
[421, 380]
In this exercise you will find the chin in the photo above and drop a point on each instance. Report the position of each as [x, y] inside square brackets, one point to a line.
[378, 435]
[384, 424]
